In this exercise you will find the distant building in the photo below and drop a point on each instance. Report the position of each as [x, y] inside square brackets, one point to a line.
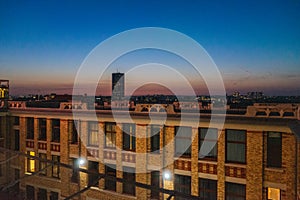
[4, 94]
[118, 85]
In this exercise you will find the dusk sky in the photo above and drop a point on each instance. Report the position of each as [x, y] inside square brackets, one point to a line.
[255, 44]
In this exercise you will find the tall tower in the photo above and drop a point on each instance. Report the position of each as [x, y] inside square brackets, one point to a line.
[118, 86]
[4, 95]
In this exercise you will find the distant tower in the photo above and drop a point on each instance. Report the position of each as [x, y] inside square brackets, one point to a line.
[4, 95]
[118, 85]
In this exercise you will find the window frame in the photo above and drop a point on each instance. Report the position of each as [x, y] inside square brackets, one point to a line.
[274, 149]
[155, 138]
[93, 133]
[42, 129]
[235, 142]
[201, 140]
[188, 152]
[55, 172]
[182, 183]
[42, 164]
[110, 185]
[232, 196]
[55, 136]
[30, 128]
[130, 136]
[110, 135]
[208, 191]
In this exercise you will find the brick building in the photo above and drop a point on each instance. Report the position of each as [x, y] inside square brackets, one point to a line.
[256, 155]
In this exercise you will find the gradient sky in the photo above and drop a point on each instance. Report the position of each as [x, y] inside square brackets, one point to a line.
[255, 44]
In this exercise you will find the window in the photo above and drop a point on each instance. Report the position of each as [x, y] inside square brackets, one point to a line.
[16, 121]
[42, 193]
[129, 176]
[129, 137]
[155, 138]
[75, 171]
[273, 194]
[42, 129]
[155, 183]
[30, 192]
[110, 171]
[236, 146]
[235, 191]
[53, 195]
[55, 167]
[30, 162]
[274, 149]
[74, 132]
[30, 128]
[93, 167]
[110, 135]
[55, 130]
[93, 135]
[183, 141]
[207, 189]
[210, 138]
[17, 140]
[182, 184]
[43, 164]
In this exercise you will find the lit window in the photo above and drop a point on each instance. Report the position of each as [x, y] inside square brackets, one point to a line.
[110, 135]
[93, 134]
[30, 162]
[55, 167]
[273, 194]
[129, 137]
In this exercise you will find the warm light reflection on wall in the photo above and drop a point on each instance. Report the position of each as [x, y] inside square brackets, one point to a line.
[30, 162]
[273, 194]
[3, 92]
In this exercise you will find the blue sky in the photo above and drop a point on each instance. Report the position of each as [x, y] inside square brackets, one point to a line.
[255, 44]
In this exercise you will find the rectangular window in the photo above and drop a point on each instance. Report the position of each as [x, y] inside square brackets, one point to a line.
[55, 130]
[236, 146]
[110, 171]
[30, 128]
[30, 192]
[93, 167]
[43, 164]
[17, 140]
[155, 138]
[182, 184]
[1, 173]
[235, 191]
[129, 176]
[209, 137]
[129, 137]
[110, 135]
[42, 193]
[16, 121]
[74, 132]
[42, 129]
[274, 149]
[207, 189]
[273, 194]
[55, 167]
[53, 195]
[75, 171]
[155, 183]
[183, 141]
[30, 162]
[93, 134]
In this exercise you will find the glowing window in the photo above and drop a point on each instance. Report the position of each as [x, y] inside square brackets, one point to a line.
[273, 194]
[30, 162]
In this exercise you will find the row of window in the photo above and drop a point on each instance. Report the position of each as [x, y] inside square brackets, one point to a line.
[41, 194]
[55, 134]
[235, 140]
[42, 165]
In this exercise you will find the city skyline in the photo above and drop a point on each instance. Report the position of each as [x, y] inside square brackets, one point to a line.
[254, 45]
